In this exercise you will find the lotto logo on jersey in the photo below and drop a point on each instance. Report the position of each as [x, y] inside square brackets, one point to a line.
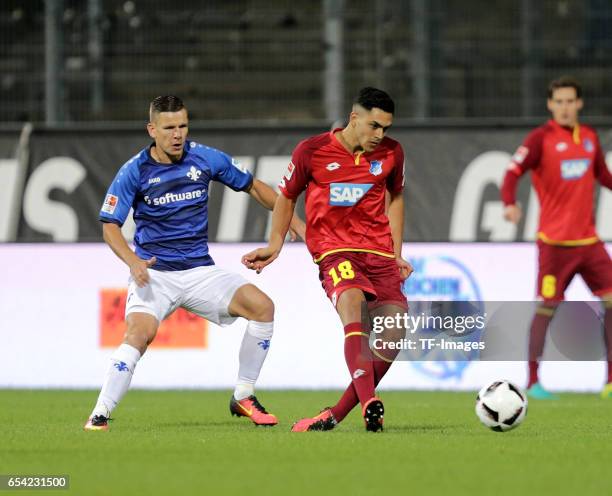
[573, 169]
[110, 203]
[347, 194]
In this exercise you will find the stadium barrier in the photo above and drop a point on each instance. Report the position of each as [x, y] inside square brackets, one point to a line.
[55, 190]
[61, 314]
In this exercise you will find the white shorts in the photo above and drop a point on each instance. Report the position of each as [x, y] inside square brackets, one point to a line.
[206, 291]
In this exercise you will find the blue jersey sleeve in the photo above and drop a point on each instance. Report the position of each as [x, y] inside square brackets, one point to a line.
[229, 171]
[120, 195]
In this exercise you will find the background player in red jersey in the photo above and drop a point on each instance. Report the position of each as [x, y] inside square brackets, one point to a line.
[565, 160]
[346, 174]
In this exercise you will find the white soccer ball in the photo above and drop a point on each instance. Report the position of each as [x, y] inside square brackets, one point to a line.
[501, 406]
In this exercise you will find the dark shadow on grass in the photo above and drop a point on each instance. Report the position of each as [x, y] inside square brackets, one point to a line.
[202, 424]
[423, 428]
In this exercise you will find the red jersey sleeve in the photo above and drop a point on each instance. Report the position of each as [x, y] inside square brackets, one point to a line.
[602, 173]
[395, 180]
[298, 174]
[527, 156]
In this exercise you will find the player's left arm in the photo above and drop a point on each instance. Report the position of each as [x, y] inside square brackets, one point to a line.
[230, 172]
[395, 213]
[602, 173]
[266, 197]
[396, 223]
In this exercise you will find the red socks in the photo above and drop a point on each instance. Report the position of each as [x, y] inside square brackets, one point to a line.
[359, 360]
[537, 337]
[608, 338]
[349, 399]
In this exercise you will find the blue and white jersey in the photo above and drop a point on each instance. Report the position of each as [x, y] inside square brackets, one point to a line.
[170, 203]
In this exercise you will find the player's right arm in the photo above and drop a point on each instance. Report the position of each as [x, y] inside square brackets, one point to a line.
[281, 219]
[291, 186]
[138, 267]
[526, 157]
[114, 211]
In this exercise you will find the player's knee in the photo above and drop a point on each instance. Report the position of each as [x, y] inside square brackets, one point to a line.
[252, 304]
[264, 309]
[139, 337]
[138, 341]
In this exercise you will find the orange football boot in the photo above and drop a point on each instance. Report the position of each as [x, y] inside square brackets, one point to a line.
[253, 409]
[97, 423]
[325, 421]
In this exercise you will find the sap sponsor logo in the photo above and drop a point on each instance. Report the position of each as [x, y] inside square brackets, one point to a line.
[588, 145]
[110, 204]
[333, 166]
[154, 180]
[520, 154]
[174, 197]
[376, 167]
[561, 146]
[194, 174]
[347, 194]
[574, 169]
[442, 278]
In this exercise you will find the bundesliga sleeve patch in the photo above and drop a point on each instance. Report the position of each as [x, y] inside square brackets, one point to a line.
[110, 203]
[520, 155]
[290, 170]
[238, 166]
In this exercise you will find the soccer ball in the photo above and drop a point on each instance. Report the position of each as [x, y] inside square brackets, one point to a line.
[501, 406]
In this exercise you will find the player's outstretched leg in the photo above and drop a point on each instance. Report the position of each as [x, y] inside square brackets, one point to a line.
[117, 381]
[325, 421]
[251, 303]
[606, 392]
[141, 331]
[537, 338]
[330, 417]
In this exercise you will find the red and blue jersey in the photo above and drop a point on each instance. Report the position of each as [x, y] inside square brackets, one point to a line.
[345, 194]
[564, 165]
[170, 203]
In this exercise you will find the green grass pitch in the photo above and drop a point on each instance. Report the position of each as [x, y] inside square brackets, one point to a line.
[185, 442]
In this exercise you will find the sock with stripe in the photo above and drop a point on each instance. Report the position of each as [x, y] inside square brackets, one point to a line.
[359, 361]
[349, 398]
